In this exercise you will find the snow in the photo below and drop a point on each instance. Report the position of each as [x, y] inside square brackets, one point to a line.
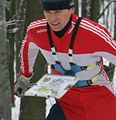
[16, 109]
[50, 102]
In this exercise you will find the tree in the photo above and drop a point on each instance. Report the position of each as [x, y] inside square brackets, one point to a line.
[5, 90]
[95, 8]
[11, 37]
[76, 6]
[33, 108]
[91, 9]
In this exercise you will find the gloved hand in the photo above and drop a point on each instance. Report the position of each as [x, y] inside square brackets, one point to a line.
[21, 85]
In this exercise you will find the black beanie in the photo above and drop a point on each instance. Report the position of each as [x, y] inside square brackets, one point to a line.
[57, 4]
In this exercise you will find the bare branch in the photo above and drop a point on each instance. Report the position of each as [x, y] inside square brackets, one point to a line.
[105, 9]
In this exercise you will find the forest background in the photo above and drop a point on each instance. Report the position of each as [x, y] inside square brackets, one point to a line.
[15, 16]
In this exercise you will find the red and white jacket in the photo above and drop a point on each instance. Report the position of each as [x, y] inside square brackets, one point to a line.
[92, 42]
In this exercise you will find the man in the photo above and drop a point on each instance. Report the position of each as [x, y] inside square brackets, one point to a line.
[72, 46]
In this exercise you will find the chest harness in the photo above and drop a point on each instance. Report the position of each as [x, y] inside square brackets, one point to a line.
[74, 68]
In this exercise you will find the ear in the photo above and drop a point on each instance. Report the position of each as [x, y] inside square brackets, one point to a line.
[72, 10]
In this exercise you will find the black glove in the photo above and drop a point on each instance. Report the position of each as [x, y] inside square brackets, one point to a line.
[21, 85]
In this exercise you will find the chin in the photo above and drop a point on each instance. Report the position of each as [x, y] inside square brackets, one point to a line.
[57, 29]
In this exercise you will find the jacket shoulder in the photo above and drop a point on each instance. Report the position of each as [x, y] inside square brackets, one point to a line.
[94, 28]
[37, 24]
[92, 25]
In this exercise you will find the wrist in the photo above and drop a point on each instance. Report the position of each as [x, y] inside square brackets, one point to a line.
[25, 79]
[26, 74]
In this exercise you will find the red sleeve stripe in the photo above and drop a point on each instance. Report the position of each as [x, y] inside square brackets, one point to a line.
[103, 71]
[98, 31]
[109, 42]
[114, 41]
[38, 22]
[21, 55]
[96, 28]
[40, 25]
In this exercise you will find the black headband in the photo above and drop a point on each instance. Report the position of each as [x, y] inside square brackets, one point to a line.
[57, 4]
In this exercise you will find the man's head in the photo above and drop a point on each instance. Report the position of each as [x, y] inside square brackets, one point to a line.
[58, 12]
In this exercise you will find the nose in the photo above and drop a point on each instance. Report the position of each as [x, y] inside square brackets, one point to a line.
[53, 18]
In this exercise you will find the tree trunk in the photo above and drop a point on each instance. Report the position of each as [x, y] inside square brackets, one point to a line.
[33, 108]
[86, 5]
[91, 9]
[76, 7]
[19, 35]
[11, 38]
[115, 21]
[95, 10]
[5, 90]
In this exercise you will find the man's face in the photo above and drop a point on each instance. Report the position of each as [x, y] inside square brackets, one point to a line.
[58, 19]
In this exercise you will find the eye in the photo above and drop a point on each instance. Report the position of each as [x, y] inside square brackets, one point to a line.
[47, 11]
[58, 11]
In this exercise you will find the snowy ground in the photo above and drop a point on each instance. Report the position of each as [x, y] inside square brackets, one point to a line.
[15, 110]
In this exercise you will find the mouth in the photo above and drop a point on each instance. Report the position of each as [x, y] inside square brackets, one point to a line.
[55, 24]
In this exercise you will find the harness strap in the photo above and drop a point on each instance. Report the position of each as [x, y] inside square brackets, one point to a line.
[70, 51]
[53, 49]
